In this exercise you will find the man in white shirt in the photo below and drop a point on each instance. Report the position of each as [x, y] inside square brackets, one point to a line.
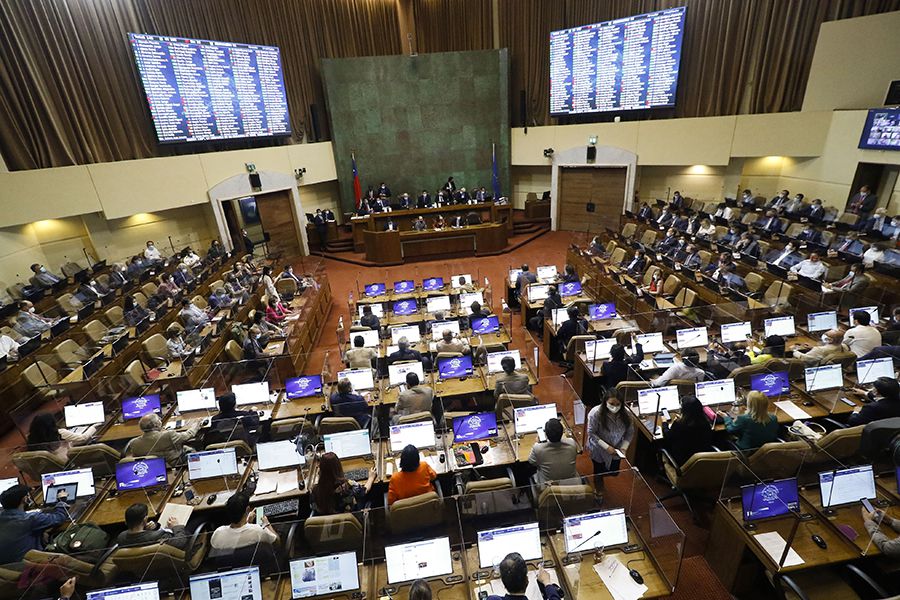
[8, 347]
[243, 530]
[787, 251]
[684, 367]
[811, 268]
[151, 253]
[863, 338]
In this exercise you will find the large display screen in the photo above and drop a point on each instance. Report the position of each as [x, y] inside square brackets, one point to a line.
[200, 90]
[626, 64]
[882, 130]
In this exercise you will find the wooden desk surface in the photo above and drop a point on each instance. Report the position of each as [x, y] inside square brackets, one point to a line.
[110, 510]
[850, 516]
[500, 451]
[440, 588]
[203, 488]
[299, 407]
[303, 473]
[458, 387]
[390, 461]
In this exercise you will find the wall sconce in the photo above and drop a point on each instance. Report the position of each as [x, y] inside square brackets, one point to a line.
[548, 152]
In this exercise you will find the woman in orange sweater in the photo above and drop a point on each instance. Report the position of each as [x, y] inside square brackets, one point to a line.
[415, 477]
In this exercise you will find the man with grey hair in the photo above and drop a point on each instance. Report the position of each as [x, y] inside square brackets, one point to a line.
[169, 444]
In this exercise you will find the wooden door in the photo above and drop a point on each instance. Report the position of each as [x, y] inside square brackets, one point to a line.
[277, 218]
[583, 188]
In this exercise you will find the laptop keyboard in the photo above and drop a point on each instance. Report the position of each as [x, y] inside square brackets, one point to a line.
[281, 508]
[357, 474]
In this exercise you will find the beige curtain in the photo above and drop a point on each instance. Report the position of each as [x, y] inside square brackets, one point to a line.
[453, 25]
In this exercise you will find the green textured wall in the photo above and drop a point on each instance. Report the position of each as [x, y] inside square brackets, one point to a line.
[414, 121]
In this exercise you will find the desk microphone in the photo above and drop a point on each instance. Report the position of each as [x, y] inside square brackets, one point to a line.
[575, 549]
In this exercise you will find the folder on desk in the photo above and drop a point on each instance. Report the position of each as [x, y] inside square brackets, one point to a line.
[181, 512]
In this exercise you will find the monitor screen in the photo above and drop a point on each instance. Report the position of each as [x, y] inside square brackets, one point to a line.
[694, 337]
[303, 386]
[764, 500]
[438, 328]
[397, 373]
[239, 584]
[606, 310]
[821, 321]
[278, 455]
[466, 300]
[457, 281]
[537, 291]
[783, 326]
[873, 313]
[142, 473]
[626, 64]
[455, 367]
[377, 308]
[827, 377]
[495, 360]
[86, 413]
[436, 303]
[251, 393]
[418, 560]
[190, 400]
[212, 463]
[5, 484]
[83, 477]
[347, 444]
[718, 391]
[369, 336]
[431, 284]
[653, 400]
[569, 289]
[844, 486]
[324, 575]
[736, 332]
[484, 325]
[134, 591]
[595, 530]
[771, 384]
[201, 91]
[546, 273]
[420, 435]
[560, 316]
[403, 308]
[375, 289]
[360, 379]
[53, 491]
[495, 544]
[410, 332]
[867, 371]
[650, 342]
[882, 130]
[598, 349]
[529, 419]
[470, 428]
[514, 276]
[138, 406]
[405, 286]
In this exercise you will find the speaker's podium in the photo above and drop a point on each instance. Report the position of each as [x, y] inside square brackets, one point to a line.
[396, 247]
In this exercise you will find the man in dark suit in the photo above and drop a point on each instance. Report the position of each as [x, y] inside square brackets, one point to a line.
[384, 190]
[424, 200]
[514, 575]
[746, 199]
[321, 227]
[849, 243]
[443, 198]
[809, 234]
[481, 195]
[693, 224]
[680, 222]
[814, 212]
[473, 218]
[747, 244]
[404, 352]
[731, 236]
[667, 243]
[450, 186]
[769, 223]
[876, 222]
[364, 208]
[636, 264]
[645, 212]
[677, 201]
[457, 221]
[390, 225]
[780, 201]
[863, 202]
[462, 196]
[405, 201]
[665, 218]
[329, 215]
[690, 258]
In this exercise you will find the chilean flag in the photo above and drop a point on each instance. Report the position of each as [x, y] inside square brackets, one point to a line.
[357, 188]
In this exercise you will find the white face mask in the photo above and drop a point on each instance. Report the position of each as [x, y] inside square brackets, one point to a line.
[31, 310]
[826, 339]
[613, 408]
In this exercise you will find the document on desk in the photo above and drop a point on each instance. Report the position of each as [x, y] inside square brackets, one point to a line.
[181, 512]
[792, 410]
[287, 482]
[617, 580]
[267, 483]
[773, 544]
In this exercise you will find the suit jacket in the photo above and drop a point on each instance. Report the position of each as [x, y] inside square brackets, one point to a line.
[513, 383]
[555, 461]
[645, 213]
[875, 223]
[384, 190]
[730, 238]
[867, 204]
[812, 235]
[46, 279]
[677, 201]
[773, 226]
[692, 262]
[391, 226]
[413, 400]
[638, 267]
[692, 226]
[751, 249]
[814, 212]
[457, 221]
[667, 243]
[665, 218]
[423, 200]
[680, 223]
[480, 196]
[329, 215]
[165, 443]
[405, 202]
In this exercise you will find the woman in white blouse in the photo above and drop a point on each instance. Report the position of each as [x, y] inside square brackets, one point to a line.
[707, 229]
[269, 284]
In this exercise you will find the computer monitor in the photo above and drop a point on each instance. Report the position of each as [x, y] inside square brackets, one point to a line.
[470, 428]
[771, 384]
[420, 435]
[83, 477]
[418, 560]
[821, 321]
[278, 455]
[559, 316]
[191, 400]
[410, 332]
[650, 342]
[736, 332]
[7, 483]
[438, 328]
[375, 289]
[404, 286]
[546, 273]
[86, 413]
[826, 377]
[304, 386]
[141, 473]
[133, 591]
[537, 291]
[466, 300]
[495, 544]
[377, 308]
[251, 393]
[513, 275]
[485, 325]
[867, 371]
[402, 308]
[783, 326]
[455, 283]
[237, 584]
[765, 500]
[495, 360]
[347, 444]
[718, 391]
[454, 367]
[845, 486]
[431, 284]
[598, 349]
[529, 419]
[136, 407]
[653, 400]
[324, 575]
[590, 531]
[604, 310]
[369, 336]
[360, 379]
[567, 290]
[872, 310]
[693, 337]
[53, 491]
[212, 463]
[436, 303]
[397, 373]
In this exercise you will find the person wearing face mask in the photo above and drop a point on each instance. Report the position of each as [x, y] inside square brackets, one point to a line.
[29, 322]
[191, 258]
[849, 244]
[219, 299]
[151, 253]
[747, 245]
[635, 265]
[252, 349]
[723, 211]
[795, 205]
[596, 248]
[706, 230]
[117, 276]
[175, 346]
[874, 254]
[862, 203]
[671, 238]
[730, 236]
[784, 258]
[831, 344]
[770, 223]
[809, 234]
[884, 402]
[645, 213]
[655, 286]
[780, 201]
[814, 211]
[167, 286]
[610, 429]
[684, 367]
[132, 312]
[42, 277]
[233, 286]
[747, 199]
[182, 276]
[811, 268]
[665, 217]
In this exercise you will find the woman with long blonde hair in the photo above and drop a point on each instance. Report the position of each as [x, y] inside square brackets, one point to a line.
[755, 427]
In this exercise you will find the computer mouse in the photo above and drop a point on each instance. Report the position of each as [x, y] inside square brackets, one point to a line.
[484, 449]
[817, 539]
[441, 457]
[301, 484]
[636, 576]
[323, 407]
[211, 499]
[807, 403]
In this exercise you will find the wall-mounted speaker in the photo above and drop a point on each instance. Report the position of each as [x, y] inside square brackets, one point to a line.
[255, 181]
[591, 153]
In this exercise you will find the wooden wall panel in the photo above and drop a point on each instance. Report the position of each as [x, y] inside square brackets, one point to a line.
[602, 186]
[278, 221]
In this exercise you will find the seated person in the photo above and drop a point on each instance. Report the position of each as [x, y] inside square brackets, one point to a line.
[688, 434]
[755, 427]
[414, 399]
[863, 337]
[645, 213]
[514, 575]
[680, 222]
[154, 441]
[714, 269]
[176, 348]
[167, 287]
[874, 254]
[216, 250]
[288, 273]
[360, 357]
[8, 347]
[43, 434]
[884, 402]
[525, 278]
[414, 478]
[370, 319]
[780, 201]
[678, 247]
[551, 303]
[574, 325]
[152, 253]
[668, 242]
[335, 494]
[811, 268]
[419, 224]
[730, 236]
[183, 275]
[252, 349]
[457, 221]
[555, 458]
[141, 531]
[689, 258]
[450, 343]
[685, 366]
[617, 368]
[238, 292]
[814, 211]
[849, 243]
[464, 286]
[44, 278]
[194, 318]
[794, 206]
[242, 529]
[22, 531]
[831, 344]
[723, 211]
[596, 247]
[774, 348]
[276, 312]
[132, 312]
[439, 223]
[478, 311]
[747, 244]
[666, 217]
[404, 352]
[191, 258]
[872, 521]
[746, 199]
[29, 322]
[786, 258]
[228, 414]
[635, 265]
[770, 223]
[220, 299]
[809, 234]
[509, 381]
[346, 403]
[655, 286]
